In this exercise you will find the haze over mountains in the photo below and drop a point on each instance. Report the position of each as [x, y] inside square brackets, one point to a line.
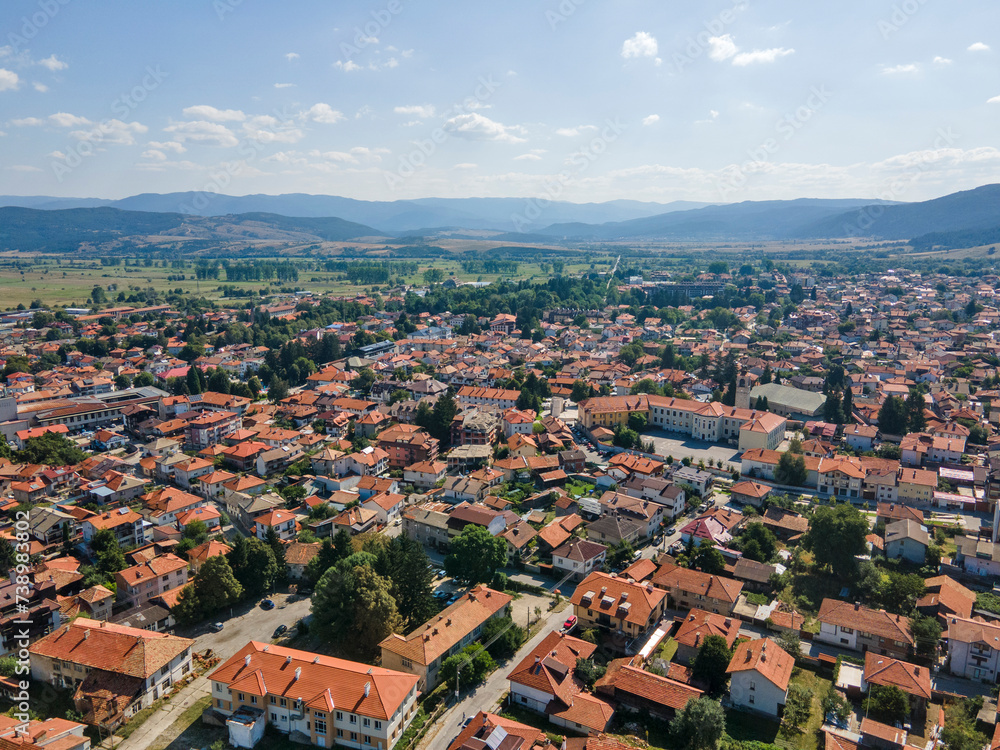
[971, 217]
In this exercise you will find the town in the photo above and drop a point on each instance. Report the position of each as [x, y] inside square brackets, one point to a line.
[746, 506]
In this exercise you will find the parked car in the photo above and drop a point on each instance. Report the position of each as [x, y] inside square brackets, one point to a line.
[280, 631]
[570, 623]
[671, 531]
[217, 626]
[267, 604]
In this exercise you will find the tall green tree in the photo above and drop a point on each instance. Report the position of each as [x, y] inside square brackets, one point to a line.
[791, 470]
[711, 662]
[254, 565]
[475, 555]
[892, 417]
[836, 537]
[699, 725]
[916, 421]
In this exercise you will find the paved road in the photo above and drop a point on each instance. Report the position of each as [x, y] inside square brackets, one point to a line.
[249, 622]
[487, 696]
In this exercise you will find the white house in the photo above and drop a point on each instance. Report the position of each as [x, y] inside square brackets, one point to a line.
[759, 672]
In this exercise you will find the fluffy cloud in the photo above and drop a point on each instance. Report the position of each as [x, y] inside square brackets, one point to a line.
[204, 132]
[66, 120]
[283, 85]
[979, 47]
[721, 48]
[942, 60]
[111, 131]
[268, 129]
[574, 132]
[416, 110]
[40, 87]
[28, 122]
[650, 120]
[994, 100]
[476, 127]
[291, 55]
[642, 44]
[761, 56]
[174, 146]
[208, 112]
[528, 157]
[323, 113]
[348, 67]
[53, 63]
[8, 80]
[898, 69]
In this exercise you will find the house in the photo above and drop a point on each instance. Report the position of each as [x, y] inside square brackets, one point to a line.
[906, 540]
[758, 676]
[945, 598]
[755, 576]
[34, 734]
[634, 689]
[487, 730]
[298, 555]
[716, 527]
[750, 493]
[320, 700]
[281, 521]
[518, 537]
[974, 649]
[860, 437]
[618, 604]
[114, 671]
[425, 474]
[889, 512]
[691, 589]
[786, 524]
[977, 557]
[615, 528]
[545, 682]
[422, 652]
[578, 558]
[862, 629]
[130, 529]
[197, 556]
[407, 444]
[140, 583]
[912, 679]
[387, 506]
[696, 626]
[356, 520]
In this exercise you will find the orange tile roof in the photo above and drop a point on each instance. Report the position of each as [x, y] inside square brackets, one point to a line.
[875, 621]
[607, 595]
[766, 658]
[910, 678]
[699, 624]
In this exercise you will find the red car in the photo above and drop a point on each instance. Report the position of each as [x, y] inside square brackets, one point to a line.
[570, 623]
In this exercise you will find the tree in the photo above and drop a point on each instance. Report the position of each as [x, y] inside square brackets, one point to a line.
[214, 587]
[403, 561]
[916, 421]
[836, 536]
[848, 405]
[791, 469]
[443, 413]
[509, 637]
[798, 706]
[51, 449]
[278, 390]
[581, 390]
[8, 554]
[892, 417]
[758, 542]
[789, 640]
[143, 380]
[699, 725]
[900, 591]
[253, 564]
[834, 703]
[711, 662]
[886, 703]
[707, 559]
[833, 410]
[475, 664]
[274, 542]
[193, 379]
[375, 616]
[433, 276]
[926, 632]
[218, 381]
[475, 555]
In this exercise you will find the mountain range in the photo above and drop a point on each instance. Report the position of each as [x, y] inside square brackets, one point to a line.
[28, 223]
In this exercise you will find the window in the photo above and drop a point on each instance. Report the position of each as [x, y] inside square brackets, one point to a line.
[284, 702]
[751, 699]
[253, 700]
[366, 722]
[273, 702]
[378, 724]
[340, 732]
[367, 740]
[407, 663]
[848, 631]
[340, 715]
[353, 719]
[320, 726]
[239, 696]
[354, 736]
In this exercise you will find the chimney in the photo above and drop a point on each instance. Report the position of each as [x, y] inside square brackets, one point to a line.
[298, 672]
[368, 688]
[246, 660]
[288, 659]
[86, 634]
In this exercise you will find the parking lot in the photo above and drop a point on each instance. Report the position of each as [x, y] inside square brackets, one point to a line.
[670, 444]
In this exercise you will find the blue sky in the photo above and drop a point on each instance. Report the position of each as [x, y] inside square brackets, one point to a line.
[581, 100]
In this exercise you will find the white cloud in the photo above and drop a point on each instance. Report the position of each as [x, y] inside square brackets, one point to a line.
[650, 120]
[204, 132]
[154, 155]
[348, 67]
[416, 110]
[284, 85]
[574, 132]
[268, 129]
[23, 168]
[208, 112]
[291, 55]
[721, 48]
[898, 69]
[528, 157]
[994, 100]
[761, 56]
[27, 122]
[8, 80]
[40, 87]
[323, 113]
[642, 44]
[466, 165]
[476, 127]
[174, 146]
[53, 63]
[942, 60]
[979, 47]
[111, 131]
[66, 120]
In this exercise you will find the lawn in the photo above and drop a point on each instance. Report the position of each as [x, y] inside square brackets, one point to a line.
[748, 727]
[187, 730]
[808, 737]
[666, 649]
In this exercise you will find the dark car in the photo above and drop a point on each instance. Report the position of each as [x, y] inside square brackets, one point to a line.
[267, 604]
[217, 626]
[280, 631]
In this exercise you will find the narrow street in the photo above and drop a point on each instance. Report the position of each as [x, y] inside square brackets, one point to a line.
[487, 696]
